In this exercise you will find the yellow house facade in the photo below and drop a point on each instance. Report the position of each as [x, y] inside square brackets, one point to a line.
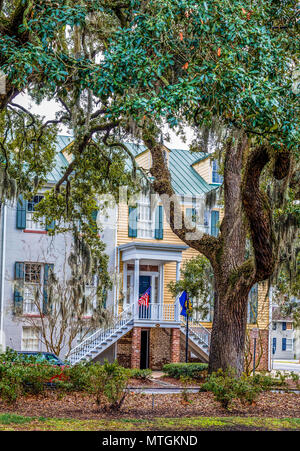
[151, 258]
[148, 330]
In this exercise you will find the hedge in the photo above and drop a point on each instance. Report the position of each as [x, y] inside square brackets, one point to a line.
[193, 370]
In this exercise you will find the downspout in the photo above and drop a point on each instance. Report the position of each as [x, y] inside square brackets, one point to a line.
[3, 252]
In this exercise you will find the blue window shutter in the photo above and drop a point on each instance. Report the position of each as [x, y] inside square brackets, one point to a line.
[284, 344]
[21, 212]
[159, 225]
[132, 222]
[274, 346]
[253, 304]
[47, 268]
[18, 290]
[214, 221]
[50, 226]
[283, 326]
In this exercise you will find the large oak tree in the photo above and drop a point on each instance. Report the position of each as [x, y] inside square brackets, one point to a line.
[228, 67]
[221, 66]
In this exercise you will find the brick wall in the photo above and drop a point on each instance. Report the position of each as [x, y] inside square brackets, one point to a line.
[175, 346]
[124, 350]
[136, 347]
[159, 347]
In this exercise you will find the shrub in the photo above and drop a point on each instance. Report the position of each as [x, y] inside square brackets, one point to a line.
[185, 381]
[140, 374]
[108, 382]
[226, 387]
[191, 370]
[76, 378]
[295, 378]
[20, 375]
[17, 379]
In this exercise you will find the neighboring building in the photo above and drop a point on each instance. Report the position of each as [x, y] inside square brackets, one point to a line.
[282, 336]
[143, 252]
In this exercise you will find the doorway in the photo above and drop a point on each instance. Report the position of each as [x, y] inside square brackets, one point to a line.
[144, 349]
[144, 284]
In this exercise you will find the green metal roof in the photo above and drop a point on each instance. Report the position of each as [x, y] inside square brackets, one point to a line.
[185, 179]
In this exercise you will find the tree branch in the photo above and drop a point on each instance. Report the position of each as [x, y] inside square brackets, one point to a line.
[207, 244]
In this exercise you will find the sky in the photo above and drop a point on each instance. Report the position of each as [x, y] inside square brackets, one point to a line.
[49, 108]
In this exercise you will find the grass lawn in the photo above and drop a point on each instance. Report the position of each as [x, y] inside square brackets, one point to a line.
[11, 422]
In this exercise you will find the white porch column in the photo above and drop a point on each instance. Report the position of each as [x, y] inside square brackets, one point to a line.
[178, 271]
[136, 286]
[176, 305]
[125, 283]
[161, 284]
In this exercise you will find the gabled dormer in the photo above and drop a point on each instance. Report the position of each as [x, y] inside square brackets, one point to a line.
[208, 169]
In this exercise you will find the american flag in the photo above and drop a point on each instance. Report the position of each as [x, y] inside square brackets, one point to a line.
[144, 299]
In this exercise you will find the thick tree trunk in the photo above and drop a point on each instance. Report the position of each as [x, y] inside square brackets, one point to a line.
[229, 330]
[246, 209]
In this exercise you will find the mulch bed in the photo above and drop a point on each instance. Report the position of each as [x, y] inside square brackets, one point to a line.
[83, 406]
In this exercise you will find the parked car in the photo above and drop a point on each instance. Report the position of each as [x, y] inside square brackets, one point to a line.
[41, 357]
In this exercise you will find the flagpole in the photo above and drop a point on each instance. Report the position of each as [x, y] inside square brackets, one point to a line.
[187, 334]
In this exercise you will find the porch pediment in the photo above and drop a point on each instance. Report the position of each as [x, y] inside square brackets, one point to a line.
[137, 250]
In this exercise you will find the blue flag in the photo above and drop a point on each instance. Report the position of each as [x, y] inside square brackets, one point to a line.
[185, 303]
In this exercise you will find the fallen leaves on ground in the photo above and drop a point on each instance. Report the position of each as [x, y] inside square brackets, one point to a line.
[83, 406]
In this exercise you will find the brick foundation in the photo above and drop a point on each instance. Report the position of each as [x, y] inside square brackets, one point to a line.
[124, 350]
[159, 347]
[175, 346]
[136, 348]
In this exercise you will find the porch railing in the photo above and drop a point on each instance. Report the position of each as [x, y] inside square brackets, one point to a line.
[157, 312]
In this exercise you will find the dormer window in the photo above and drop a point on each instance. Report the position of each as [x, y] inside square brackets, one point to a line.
[145, 226]
[216, 177]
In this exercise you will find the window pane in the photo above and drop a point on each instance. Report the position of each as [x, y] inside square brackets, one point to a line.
[30, 223]
[30, 339]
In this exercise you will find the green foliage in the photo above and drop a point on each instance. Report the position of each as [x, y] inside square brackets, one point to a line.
[296, 379]
[226, 387]
[144, 374]
[197, 280]
[185, 382]
[76, 377]
[19, 376]
[108, 382]
[209, 59]
[190, 370]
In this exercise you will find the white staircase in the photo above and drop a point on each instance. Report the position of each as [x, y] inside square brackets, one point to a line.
[199, 338]
[103, 338]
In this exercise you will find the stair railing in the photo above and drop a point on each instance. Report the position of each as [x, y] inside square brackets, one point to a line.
[101, 335]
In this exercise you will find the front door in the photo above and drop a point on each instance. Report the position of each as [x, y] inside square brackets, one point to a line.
[145, 283]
